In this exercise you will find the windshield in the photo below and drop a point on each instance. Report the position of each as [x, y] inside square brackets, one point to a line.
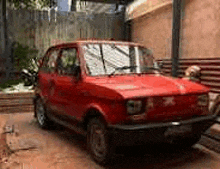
[109, 59]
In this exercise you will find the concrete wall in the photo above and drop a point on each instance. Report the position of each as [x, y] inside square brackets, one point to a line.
[200, 32]
[154, 30]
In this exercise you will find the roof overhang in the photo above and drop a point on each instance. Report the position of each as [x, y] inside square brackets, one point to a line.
[122, 2]
[135, 10]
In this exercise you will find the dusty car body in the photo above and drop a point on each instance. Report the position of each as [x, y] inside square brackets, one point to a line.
[98, 89]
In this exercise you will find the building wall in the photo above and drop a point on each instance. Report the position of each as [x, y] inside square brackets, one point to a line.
[154, 30]
[141, 7]
[200, 32]
[200, 29]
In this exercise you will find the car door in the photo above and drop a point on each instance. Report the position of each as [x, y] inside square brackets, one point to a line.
[49, 77]
[47, 72]
[66, 83]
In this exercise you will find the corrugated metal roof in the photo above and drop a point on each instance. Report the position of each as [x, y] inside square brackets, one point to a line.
[210, 70]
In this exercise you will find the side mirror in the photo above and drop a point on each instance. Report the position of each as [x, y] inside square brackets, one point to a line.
[39, 62]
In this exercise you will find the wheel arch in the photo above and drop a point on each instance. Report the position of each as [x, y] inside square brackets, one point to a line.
[37, 96]
[92, 113]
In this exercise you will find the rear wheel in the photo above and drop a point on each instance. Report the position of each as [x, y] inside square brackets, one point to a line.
[98, 141]
[41, 115]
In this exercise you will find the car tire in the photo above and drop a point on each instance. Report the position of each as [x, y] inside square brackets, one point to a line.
[98, 142]
[41, 115]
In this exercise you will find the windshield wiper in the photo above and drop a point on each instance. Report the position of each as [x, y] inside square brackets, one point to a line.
[122, 68]
[103, 61]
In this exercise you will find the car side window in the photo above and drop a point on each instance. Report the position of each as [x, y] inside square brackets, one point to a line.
[49, 60]
[68, 61]
[52, 60]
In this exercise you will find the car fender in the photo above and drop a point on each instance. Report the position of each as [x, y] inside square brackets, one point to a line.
[95, 109]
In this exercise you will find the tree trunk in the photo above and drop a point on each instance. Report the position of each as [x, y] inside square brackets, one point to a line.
[73, 5]
[3, 37]
[2, 27]
[6, 49]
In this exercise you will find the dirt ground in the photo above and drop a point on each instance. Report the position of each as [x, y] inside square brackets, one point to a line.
[29, 147]
[3, 146]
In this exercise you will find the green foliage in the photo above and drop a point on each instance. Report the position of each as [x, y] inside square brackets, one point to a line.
[31, 4]
[25, 57]
[9, 83]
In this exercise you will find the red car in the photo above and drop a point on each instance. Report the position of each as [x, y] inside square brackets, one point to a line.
[105, 91]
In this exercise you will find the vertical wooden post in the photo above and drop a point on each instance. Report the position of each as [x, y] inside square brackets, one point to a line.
[176, 36]
[123, 22]
[4, 41]
[2, 26]
[73, 5]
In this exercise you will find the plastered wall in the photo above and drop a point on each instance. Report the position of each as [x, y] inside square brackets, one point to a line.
[200, 30]
[154, 30]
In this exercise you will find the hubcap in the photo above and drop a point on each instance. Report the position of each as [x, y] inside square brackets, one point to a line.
[97, 139]
[40, 112]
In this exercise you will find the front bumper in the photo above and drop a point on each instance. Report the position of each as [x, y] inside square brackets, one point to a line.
[158, 132]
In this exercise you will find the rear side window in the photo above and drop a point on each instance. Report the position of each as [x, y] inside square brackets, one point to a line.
[68, 61]
[49, 62]
[52, 60]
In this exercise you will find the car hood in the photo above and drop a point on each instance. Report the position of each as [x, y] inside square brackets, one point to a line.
[148, 85]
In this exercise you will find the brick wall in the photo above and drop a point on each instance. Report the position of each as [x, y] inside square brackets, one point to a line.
[16, 102]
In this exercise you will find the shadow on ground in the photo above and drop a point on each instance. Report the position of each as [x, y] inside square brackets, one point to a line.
[140, 157]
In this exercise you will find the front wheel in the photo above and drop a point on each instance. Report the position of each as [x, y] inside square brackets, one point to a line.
[42, 118]
[98, 141]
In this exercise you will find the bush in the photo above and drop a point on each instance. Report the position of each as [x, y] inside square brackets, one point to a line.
[10, 83]
[25, 57]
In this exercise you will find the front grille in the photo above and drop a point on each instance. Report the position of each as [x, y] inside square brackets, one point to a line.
[168, 101]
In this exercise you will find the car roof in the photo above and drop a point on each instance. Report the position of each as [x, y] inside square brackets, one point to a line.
[81, 42]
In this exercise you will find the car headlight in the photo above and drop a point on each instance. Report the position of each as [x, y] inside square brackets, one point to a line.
[203, 100]
[134, 106]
